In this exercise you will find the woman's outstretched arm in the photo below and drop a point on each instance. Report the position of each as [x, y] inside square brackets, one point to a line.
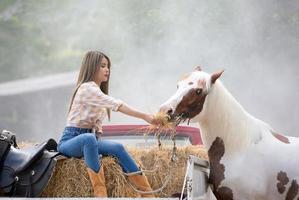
[128, 110]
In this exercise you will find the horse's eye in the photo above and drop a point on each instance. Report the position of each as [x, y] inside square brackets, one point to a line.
[190, 83]
[198, 91]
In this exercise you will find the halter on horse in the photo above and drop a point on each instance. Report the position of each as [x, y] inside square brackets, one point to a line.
[248, 159]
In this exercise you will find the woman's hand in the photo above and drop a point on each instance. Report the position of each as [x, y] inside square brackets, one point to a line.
[148, 118]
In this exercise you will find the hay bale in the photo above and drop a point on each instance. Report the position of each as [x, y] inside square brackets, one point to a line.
[70, 178]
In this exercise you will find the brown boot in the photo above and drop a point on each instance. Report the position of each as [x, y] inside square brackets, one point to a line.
[98, 182]
[141, 182]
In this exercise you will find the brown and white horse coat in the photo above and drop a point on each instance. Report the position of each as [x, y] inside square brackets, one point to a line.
[248, 160]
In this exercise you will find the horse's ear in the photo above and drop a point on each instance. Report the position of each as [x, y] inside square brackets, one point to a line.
[215, 76]
[198, 68]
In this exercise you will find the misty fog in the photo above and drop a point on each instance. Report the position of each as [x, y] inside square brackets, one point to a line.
[151, 45]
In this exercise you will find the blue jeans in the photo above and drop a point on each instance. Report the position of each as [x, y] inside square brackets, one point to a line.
[80, 142]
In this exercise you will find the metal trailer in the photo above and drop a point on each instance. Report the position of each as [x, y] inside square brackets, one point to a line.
[196, 180]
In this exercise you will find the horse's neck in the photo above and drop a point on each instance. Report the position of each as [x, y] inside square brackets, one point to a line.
[224, 117]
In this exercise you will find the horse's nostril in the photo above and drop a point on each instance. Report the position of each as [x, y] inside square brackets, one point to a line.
[169, 111]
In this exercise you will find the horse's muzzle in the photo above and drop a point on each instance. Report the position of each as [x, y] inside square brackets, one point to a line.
[177, 119]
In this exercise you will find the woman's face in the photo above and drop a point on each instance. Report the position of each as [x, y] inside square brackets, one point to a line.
[102, 74]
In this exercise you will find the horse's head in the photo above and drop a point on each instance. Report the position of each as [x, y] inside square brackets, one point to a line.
[189, 99]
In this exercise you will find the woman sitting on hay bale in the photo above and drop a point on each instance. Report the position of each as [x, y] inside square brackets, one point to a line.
[89, 105]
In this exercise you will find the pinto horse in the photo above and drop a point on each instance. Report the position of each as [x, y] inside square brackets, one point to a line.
[248, 159]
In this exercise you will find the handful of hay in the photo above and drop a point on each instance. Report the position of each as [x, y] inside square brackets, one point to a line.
[161, 120]
[161, 124]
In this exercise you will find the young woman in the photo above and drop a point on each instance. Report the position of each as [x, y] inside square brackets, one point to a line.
[90, 104]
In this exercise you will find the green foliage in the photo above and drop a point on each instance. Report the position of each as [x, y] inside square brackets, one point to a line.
[26, 49]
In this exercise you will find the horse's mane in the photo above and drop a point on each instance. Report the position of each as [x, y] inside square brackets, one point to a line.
[223, 116]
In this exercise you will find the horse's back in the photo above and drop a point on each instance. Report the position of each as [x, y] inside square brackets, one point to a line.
[264, 170]
[279, 155]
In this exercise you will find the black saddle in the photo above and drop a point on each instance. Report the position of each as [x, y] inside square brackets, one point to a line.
[25, 172]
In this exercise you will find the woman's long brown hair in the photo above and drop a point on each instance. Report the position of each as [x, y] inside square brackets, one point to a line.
[91, 61]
